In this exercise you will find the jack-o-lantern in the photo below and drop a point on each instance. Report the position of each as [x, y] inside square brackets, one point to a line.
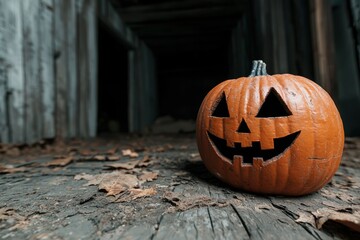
[279, 134]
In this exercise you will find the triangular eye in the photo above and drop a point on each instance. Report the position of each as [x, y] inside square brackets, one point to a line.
[243, 127]
[221, 109]
[273, 106]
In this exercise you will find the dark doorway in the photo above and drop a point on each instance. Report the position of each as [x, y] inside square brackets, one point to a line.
[112, 83]
[187, 71]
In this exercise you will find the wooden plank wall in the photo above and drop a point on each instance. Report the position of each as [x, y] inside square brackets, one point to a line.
[239, 56]
[355, 16]
[142, 88]
[12, 83]
[323, 44]
[87, 75]
[48, 69]
[142, 108]
[282, 37]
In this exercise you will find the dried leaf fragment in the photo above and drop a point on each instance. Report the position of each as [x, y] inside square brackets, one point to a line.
[113, 158]
[99, 157]
[137, 193]
[144, 162]
[11, 169]
[113, 183]
[148, 176]
[306, 218]
[112, 151]
[127, 165]
[60, 162]
[351, 220]
[130, 153]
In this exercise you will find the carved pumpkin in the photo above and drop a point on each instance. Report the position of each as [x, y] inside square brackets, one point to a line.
[279, 134]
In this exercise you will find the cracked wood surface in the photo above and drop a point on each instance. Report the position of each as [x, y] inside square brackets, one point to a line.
[46, 202]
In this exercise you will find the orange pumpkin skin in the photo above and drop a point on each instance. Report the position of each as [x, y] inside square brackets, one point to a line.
[305, 166]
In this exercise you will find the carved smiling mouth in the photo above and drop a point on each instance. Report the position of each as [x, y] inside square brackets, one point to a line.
[249, 153]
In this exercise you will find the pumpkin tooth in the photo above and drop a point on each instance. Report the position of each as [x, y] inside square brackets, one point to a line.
[249, 153]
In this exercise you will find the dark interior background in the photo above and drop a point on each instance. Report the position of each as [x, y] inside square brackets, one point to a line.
[112, 82]
[192, 43]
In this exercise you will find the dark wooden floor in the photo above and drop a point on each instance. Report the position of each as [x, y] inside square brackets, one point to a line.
[163, 193]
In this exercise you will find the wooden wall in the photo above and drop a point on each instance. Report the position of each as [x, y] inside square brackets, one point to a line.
[48, 68]
[143, 88]
[142, 82]
[282, 36]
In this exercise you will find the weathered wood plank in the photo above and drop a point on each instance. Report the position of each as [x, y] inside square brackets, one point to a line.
[185, 4]
[142, 81]
[71, 61]
[108, 15]
[47, 75]
[202, 223]
[355, 16]
[4, 125]
[239, 50]
[66, 68]
[132, 109]
[33, 110]
[148, 84]
[87, 67]
[280, 60]
[92, 65]
[189, 202]
[61, 71]
[323, 45]
[12, 122]
[180, 15]
[82, 70]
[298, 30]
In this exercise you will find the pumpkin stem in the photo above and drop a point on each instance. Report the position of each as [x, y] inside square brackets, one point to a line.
[258, 68]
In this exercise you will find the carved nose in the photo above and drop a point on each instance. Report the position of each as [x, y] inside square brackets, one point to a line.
[243, 127]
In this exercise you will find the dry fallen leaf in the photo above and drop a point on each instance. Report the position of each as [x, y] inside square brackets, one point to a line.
[113, 183]
[99, 158]
[112, 151]
[148, 176]
[306, 218]
[137, 193]
[195, 156]
[13, 151]
[127, 165]
[113, 158]
[351, 220]
[86, 152]
[130, 153]
[59, 162]
[144, 162]
[11, 169]
[6, 213]
[86, 176]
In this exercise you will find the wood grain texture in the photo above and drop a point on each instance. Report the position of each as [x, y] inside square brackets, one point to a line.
[92, 65]
[108, 15]
[12, 85]
[87, 67]
[61, 71]
[209, 208]
[323, 44]
[47, 76]
[70, 50]
[31, 46]
[142, 81]
[355, 16]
